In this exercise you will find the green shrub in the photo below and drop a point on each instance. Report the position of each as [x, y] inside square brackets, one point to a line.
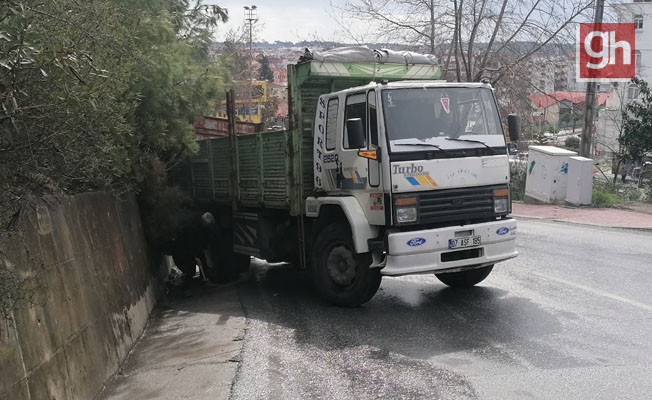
[647, 191]
[631, 193]
[517, 181]
[604, 186]
[605, 194]
[604, 199]
[163, 208]
[572, 143]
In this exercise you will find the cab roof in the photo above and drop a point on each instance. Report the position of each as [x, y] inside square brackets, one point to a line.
[411, 84]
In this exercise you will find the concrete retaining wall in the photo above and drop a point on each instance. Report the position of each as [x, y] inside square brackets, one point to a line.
[99, 292]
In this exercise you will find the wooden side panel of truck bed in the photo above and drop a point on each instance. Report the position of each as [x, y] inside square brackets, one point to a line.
[259, 165]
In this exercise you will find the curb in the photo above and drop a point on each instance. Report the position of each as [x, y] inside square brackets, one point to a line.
[640, 229]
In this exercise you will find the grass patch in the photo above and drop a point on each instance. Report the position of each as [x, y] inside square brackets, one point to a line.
[607, 194]
[604, 199]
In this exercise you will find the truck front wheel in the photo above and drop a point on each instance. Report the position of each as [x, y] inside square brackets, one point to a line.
[466, 278]
[341, 276]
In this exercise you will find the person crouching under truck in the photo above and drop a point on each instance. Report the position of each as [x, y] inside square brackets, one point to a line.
[187, 248]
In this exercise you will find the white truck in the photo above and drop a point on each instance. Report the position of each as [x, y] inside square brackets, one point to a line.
[398, 173]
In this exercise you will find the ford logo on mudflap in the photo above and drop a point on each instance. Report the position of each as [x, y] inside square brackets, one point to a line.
[503, 231]
[416, 242]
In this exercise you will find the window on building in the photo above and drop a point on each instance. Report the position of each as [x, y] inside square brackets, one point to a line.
[632, 92]
[637, 61]
[331, 123]
[638, 22]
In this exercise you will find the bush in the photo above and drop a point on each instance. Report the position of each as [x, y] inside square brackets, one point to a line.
[630, 193]
[604, 199]
[647, 191]
[572, 143]
[90, 90]
[606, 194]
[163, 208]
[517, 181]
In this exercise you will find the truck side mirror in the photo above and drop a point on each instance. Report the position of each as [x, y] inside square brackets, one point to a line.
[355, 132]
[514, 126]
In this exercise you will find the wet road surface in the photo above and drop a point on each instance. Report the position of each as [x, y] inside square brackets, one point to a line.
[570, 318]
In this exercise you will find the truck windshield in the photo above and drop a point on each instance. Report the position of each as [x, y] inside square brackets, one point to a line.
[450, 118]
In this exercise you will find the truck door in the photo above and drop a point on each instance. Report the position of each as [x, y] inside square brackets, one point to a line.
[359, 170]
[352, 170]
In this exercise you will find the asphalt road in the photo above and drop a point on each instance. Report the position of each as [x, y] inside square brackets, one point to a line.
[570, 318]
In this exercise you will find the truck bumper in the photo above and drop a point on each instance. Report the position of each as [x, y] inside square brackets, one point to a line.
[425, 251]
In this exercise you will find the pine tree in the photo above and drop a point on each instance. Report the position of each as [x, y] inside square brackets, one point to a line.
[265, 73]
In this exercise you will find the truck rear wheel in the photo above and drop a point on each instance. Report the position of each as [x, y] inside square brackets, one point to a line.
[466, 278]
[341, 276]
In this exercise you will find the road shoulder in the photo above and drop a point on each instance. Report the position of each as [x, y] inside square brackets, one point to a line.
[190, 349]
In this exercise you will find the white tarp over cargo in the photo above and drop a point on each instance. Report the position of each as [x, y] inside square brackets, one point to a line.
[365, 54]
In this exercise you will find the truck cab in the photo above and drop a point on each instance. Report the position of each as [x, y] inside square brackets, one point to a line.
[420, 170]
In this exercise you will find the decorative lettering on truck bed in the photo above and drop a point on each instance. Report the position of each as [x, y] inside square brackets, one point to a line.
[319, 143]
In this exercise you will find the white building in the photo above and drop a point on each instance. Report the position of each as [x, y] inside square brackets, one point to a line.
[639, 12]
[609, 123]
[542, 75]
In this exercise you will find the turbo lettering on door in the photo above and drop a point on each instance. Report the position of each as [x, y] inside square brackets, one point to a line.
[415, 175]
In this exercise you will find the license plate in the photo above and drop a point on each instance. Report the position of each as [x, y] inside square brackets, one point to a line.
[464, 242]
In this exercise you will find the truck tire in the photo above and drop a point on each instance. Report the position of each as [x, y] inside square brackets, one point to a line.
[342, 277]
[466, 278]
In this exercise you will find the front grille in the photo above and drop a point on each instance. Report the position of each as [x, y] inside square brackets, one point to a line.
[456, 204]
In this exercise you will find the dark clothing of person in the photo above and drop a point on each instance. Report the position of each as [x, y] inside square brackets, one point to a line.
[188, 246]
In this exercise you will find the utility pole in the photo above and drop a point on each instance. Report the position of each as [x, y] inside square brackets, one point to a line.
[586, 145]
[251, 16]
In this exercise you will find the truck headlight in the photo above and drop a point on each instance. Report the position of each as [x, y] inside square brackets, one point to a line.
[406, 214]
[501, 205]
[406, 209]
[501, 201]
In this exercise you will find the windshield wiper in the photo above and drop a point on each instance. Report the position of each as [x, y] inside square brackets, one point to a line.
[472, 141]
[421, 143]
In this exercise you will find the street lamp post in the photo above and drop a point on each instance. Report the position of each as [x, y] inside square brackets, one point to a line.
[251, 17]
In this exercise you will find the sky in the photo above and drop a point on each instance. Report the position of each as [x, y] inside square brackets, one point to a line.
[285, 20]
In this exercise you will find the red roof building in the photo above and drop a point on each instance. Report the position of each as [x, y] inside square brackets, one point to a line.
[561, 110]
[548, 99]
